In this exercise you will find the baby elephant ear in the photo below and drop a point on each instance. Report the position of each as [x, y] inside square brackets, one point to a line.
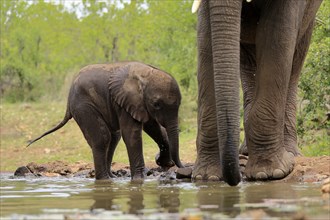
[126, 89]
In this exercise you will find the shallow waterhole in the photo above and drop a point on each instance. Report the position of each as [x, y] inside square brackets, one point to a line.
[82, 198]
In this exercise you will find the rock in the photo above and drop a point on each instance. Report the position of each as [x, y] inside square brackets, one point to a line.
[22, 171]
[46, 174]
[122, 173]
[299, 216]
[326, 186]
[154, 171]
[83, 173]
[183, 173]
[257, 214]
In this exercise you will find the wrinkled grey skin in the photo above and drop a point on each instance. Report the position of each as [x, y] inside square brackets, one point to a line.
[113, 100]
[263, 42]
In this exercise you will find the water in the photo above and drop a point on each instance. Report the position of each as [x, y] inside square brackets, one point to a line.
[81, 198]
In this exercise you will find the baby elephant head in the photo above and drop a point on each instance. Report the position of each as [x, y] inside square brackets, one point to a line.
[148, 93]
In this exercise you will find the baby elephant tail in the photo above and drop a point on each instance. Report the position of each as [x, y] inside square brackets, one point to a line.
[66, 118]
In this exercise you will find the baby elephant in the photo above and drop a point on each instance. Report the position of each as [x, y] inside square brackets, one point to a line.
[113, 100]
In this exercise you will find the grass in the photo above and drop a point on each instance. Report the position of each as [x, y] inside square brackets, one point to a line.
[316, 143]
[21, 122]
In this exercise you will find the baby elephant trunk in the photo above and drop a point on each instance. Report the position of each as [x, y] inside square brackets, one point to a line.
[173, 137]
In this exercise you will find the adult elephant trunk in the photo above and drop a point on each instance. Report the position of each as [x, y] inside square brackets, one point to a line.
[172, 131]
[225, 33]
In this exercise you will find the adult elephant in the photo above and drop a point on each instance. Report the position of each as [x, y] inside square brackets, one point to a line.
[264, 42]
[113, 100]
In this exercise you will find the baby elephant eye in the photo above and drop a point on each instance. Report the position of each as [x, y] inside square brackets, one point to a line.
[157, 105]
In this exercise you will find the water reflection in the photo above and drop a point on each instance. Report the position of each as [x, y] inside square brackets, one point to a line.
[258, 192]
[275, 198]
[170, 199]
[136, 198]
[218, 198]
[279, 199]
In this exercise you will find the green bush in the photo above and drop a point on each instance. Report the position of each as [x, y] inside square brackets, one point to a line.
[314, 89]
[14, 85]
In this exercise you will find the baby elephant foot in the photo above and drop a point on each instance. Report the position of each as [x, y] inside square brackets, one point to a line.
[207, 172]
[138, 175]
[164, 161]
[264, 167]
[137, 180]
[102, 175]
[104, 182]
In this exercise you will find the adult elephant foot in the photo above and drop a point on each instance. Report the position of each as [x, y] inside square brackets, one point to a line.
[207, 168]
[266, 167]
[291, 145]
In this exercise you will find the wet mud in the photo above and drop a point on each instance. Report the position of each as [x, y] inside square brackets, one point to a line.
[86, 170]
[307, 169]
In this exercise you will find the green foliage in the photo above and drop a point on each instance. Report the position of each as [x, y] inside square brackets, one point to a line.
[36, 39]
[314, 103]
[14, 84]
[41, 42]
[316, 143]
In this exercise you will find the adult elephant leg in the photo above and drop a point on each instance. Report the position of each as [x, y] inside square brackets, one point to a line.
[290, 129]
[97, 136]
[207, 165]
[115, 137]
[275, 46]
[248, 70]
[158, 134]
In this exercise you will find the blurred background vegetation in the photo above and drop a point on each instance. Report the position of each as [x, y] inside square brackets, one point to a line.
[45, 43]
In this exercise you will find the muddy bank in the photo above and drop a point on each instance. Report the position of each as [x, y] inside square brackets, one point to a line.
[310, 169]
[307, 169]
[86, 170]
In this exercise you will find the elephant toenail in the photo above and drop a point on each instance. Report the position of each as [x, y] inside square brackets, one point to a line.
[213, 178]
[278, 174]
[261, 176]
[198, 177]
[291, 154]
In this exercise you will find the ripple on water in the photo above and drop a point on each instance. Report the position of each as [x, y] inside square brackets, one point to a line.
[43, 199]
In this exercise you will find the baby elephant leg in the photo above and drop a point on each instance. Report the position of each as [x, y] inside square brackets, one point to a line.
[115, 137]
[97, 136]
[132, 135]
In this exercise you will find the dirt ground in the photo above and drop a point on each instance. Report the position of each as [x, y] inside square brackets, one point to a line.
[310, 169]
[307, 169]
